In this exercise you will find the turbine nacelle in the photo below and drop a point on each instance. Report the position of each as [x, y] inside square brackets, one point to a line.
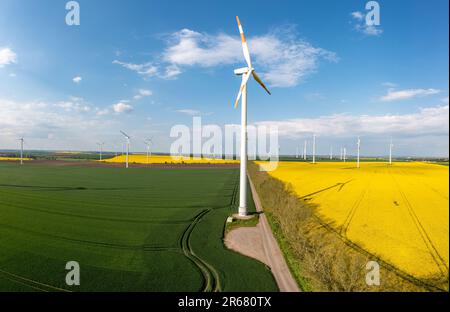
[242, 71]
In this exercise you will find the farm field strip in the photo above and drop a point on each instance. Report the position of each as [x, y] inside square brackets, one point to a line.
[130, 230]
[398, 213]
[159, 159]
[14, 158]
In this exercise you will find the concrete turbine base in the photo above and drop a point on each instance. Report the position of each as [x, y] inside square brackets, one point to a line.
[237, 216]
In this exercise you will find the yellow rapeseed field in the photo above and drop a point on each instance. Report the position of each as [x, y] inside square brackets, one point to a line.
[159, 159]
[14, 158]
[398, 212]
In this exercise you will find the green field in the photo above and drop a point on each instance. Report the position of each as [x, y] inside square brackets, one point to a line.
[141, 229]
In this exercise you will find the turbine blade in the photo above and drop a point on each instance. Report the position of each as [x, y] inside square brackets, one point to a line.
[244, 44]
[126, 135]
[243, 84]
[255, 75]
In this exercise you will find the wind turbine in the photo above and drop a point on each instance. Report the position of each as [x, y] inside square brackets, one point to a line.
[100, 144]
[21, 151]
[127, 137]
[359, 148]
[331, 153]
[245, 72]
[304, 150]
[148, 142]
[314, 149]
[390, 152]
[345, 154]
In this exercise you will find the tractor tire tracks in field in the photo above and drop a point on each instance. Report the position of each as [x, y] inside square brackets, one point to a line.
[342, 234]
[406, 276]
[211, 279]
[88, 242]
[437, 258]
[39, 286]
[353, 210]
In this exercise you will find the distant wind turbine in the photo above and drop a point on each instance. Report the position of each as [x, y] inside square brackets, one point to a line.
[359, 148]
[100, 144]
[314, 149]
[331, 153]
[345, 154]
[390, 152]
[21, 151]
[148, 142]
[304, 150]
[127, 137]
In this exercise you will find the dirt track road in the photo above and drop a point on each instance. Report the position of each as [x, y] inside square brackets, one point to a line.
[259, 243]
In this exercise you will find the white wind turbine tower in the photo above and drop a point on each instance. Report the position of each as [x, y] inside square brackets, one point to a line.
[127, 137]
[245, 72]
[331, 153]
[100, 144]
[304, 150]
[148, 142]
[344, 155]
[21, 151]
[314, 149]
[390, 152]
[359, 148]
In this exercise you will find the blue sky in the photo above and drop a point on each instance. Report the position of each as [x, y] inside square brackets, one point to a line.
[146, 66]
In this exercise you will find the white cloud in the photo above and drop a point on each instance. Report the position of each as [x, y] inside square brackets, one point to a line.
[7, 57]
[389, 84]
[77, 79]
[145, 92]
[102, 112]
[370, 30]
[357, 15]
[35, 120]
[396, 95]
[190, 112]
[76, 106]
[171, 72]
[122, 107]
[146, 69]
[427, 121]
[360, 25]
[445, 100]
[142, 93]
[188, 47]
[283, 59]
